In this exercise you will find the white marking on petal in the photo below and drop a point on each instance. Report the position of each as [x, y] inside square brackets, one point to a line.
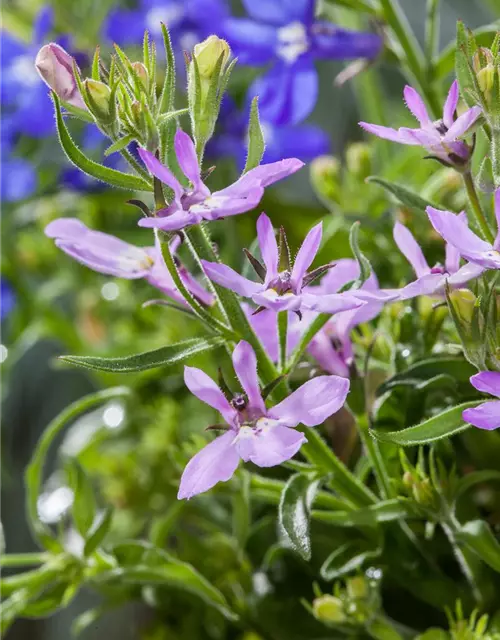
[292, 41]
[24, 70]
[170, 16]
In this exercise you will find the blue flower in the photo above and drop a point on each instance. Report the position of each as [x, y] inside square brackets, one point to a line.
[189, 21]
[305, 141]
[7, 298]
[285, 34]
[18, 176]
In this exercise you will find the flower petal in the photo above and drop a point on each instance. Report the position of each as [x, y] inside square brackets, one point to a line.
[253, 43]
[417, 106]
[268, 246]
[322, 350]
[461, 125]
[188, 160]
[173, 222]
[245, 366]
[330, 303]
[269, 444]
[215, 463]
[280, 11]
[205, 389]
[330, 42]
[468, 272]
[487, 382]
[313, 402]
[230, 279]
[410, 248]
[450, 105]
[157, 169]
[485, 416]
[427, 285]
[227, 203]
[387, 133]
[306, 255]
[271, 299]
[455, 231]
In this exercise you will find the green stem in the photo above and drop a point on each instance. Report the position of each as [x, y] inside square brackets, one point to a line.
[414, 62]
[373, 451]
[431, 35]
[270, 490]
[24, 559]
[479, 216]
[282, 332]
[309, 334]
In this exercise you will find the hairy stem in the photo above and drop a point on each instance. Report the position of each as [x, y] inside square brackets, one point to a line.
[477, 210]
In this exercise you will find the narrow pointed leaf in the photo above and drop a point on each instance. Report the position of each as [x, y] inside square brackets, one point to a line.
[405, 196]
[256, 143]
[98, 532]
[365, 267]
[478, 536]
[347, 558]
[294, 512]
[83, 509]
[119, 145]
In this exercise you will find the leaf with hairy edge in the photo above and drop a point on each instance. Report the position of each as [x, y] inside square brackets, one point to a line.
[477, 535]
[467, 81]
[404, 195]
[294, 512]
[105, 174]
[256, 143]
[347, 558]
[444, 425]
[457, 368]
[163, 357]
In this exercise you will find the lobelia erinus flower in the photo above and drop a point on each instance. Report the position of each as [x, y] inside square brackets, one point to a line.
[487, 415]
[196, 203]
[253, 432]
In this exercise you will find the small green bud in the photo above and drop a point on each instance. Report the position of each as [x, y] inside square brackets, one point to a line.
[358, 159]
[329, 609]
[422, 492]
[463, 301]
[207, 54]
[357, 587]
[142, 73]
[325, 177]
[408, 479]
[98, 95]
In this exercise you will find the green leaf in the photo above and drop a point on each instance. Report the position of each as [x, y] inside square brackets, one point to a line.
[404, 195]
[256, 143]
[444, 425]
[467, 81]
[241, 509]
[347, 558]
[385, 511]
[33, 475]
[110, 176]
[365, 267]
[478, 536]
[457, 368]
[354, 5]
[119, 145]
[163, 357]
[98, 532]
[475, 477]
[83, 509]
[294, 512]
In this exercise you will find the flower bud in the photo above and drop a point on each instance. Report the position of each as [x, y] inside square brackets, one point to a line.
[207, 54]
[357, 587]
[329, 609]
[463, 301]
[325, 178]
[99, 95]
[142, 73]
[55, 67]
[358, 159]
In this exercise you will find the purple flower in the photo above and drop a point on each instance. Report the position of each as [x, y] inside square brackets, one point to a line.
[453, 228]
[432, 281]
[109, 255]
[487, 415]
[55, 67]
[286, 35]
[282, 290]
[196, 203]
[254, 433]
[440, 138]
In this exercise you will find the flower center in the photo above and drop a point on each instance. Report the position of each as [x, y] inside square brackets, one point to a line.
[171, 16]
[134, 260]
[24, 70]
[282, 283]
[440, 127]
[292, 42]
[439, 269]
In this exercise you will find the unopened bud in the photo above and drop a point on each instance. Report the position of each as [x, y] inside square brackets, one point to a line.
[55, 67]
[463, 301]
[99, 94]
[357, 587]
[142, 73]
[207, 54]
[329, 609]
[422, 492]
[358, 159]
[325, 177]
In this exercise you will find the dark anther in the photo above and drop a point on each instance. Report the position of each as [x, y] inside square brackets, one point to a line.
[239, 402]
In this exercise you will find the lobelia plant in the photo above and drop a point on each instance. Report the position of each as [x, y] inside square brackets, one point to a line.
[316, 401]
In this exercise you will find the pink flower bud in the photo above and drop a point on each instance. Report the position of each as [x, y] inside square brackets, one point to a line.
[55, 67]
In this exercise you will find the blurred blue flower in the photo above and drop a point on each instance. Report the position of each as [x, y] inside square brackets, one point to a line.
[189, 21]
[285, 33]
[7, 298]
[18, 177]
[303, 141]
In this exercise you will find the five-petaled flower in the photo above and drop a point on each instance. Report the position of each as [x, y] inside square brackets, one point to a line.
[432, 281]
[442, 138]
[253, 432]
[453, 228]
[286, 33]
[486, 415]
[193, 204]
[110, 255]
[284, 290]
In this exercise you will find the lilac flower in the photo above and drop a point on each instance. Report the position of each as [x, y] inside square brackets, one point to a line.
[109, 255]
[196, 203]
[455, 231]
[254, 433]
[282, 290]
[487, 415]
[441, 138]
[188, 21]
[432, 281]
[286, 35]
[303, 141]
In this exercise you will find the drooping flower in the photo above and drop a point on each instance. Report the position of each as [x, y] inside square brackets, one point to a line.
[287, 35]
[442, 138]
[188, 21]
[253, 432]
[302, 141]
[196, 203]
[486, 415]
[454, 230]
[110, 255]
[286, 289]
[432, 281]
[55, 67]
